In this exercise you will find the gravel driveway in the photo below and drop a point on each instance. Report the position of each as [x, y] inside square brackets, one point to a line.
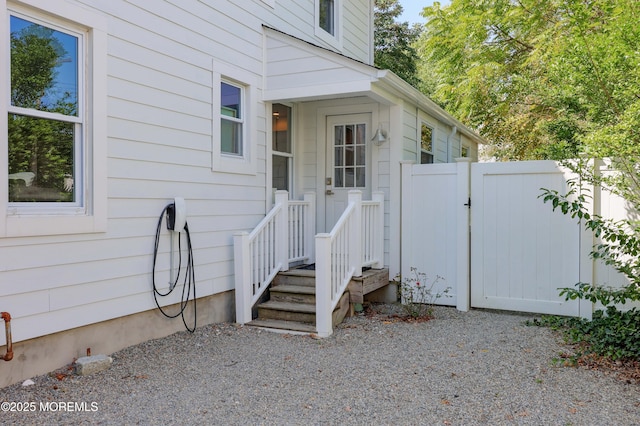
[478, 367]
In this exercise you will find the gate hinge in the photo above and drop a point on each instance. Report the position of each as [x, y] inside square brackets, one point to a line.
[468, 204]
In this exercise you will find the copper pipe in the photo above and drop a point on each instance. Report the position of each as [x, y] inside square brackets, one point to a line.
[7, 327]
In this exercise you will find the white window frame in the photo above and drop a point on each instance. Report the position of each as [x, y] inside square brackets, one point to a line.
[464, 154]
[245, 163]
[288, 155]
[89, 212]
[335, 39]
[235, 120]
[420, 150]
[79, 123]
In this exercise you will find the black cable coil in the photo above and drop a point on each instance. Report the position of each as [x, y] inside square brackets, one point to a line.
[189, 275]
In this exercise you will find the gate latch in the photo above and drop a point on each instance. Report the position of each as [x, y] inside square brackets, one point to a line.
[468, 204]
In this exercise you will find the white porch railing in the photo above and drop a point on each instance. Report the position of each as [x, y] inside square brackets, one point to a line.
[355, 241]
[283, 236]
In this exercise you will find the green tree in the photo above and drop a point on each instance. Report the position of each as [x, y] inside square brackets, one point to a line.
[538, 78]
[394, 40]
[550, 79]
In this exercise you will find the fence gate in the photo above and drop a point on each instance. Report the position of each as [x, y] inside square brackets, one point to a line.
[482, 227]
[521, 250]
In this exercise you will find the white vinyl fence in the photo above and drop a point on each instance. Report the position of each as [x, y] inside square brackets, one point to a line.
[483, 229]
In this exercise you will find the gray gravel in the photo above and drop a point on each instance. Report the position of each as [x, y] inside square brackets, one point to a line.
[479, 367]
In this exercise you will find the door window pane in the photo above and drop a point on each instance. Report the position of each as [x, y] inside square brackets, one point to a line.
[339, 180]
[349, 177]
[348, 156]
[360, 155]
[360, 177]
[349, 151]
[338, 135]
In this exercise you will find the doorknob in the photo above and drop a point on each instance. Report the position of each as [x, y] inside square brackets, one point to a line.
[329, 192]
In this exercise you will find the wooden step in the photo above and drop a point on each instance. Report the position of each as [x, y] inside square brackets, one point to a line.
[301, 312]
[288, 311]
[370, 281]
[293, 293]
[283, 325]
[301, 277]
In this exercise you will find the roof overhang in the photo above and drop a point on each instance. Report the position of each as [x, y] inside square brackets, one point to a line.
[298, 71]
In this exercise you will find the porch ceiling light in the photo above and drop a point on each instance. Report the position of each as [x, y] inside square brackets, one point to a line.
[379, 137]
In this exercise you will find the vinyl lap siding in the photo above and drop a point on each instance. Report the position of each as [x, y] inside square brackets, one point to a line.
[159, 146]
[356, 26]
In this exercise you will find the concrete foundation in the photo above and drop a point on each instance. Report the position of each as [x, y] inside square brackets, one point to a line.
[38, 356]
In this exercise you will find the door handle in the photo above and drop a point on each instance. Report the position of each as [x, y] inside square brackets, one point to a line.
[329, 192]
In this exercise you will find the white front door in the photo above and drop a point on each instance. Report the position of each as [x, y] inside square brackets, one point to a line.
[348, 162]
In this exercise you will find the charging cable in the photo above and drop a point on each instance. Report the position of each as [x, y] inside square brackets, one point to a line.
[189, 275]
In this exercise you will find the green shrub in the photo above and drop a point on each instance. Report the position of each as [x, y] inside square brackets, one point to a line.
[612, 333]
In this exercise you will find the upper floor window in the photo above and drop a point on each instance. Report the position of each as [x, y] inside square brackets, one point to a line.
[45, 115]
[328, 14]
[426, 144]
[231, 119]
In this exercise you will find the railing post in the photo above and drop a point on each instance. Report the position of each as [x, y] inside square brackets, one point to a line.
[310, 227]
[463, 194]
[282, 231]
[324, 321]
[378, 230]
[355, 233]
[242, 272]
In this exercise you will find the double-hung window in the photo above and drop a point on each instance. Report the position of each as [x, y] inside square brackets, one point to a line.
[426, 144]
[233, 133]
[52, 119]
[231, 119]
[45, 116]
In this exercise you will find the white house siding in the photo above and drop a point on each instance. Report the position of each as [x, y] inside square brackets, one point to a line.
[160, 79]
[357, 30]
[446, 147]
